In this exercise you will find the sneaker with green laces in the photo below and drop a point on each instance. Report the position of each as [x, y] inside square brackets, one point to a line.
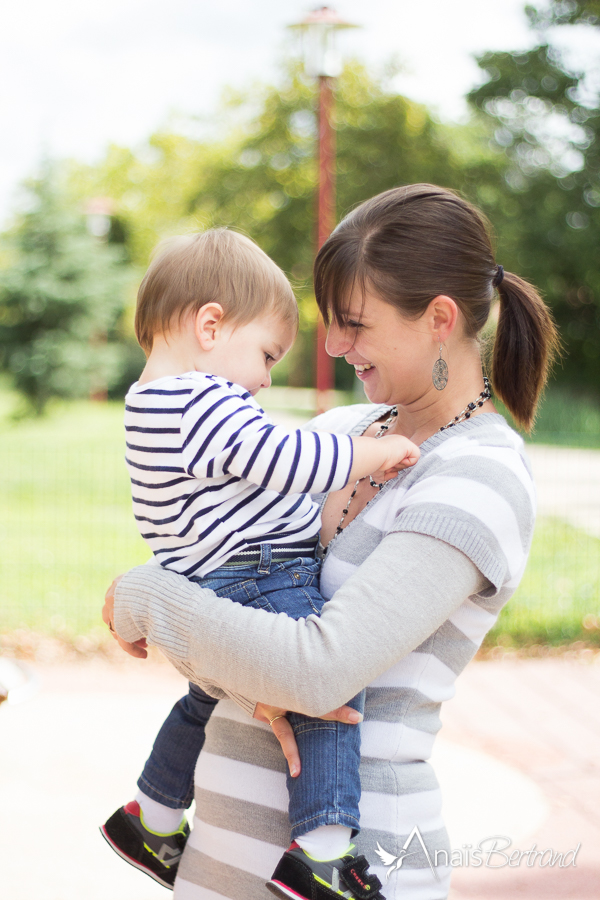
[155, 854]
[300, 877]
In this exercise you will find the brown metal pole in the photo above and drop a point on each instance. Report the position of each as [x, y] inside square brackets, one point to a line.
[326, 224]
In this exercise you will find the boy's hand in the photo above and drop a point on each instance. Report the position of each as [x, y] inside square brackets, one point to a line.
[138, 649]
[400, 454]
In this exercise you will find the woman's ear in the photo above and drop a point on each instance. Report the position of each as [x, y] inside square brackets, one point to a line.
[442, 314]
[207, 322]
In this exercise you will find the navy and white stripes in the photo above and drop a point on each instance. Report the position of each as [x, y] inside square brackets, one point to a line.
[211, 474]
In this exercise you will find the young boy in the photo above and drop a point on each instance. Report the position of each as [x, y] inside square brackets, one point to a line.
[221, 495]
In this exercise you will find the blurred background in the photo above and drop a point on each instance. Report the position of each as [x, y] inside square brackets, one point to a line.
[127, 122]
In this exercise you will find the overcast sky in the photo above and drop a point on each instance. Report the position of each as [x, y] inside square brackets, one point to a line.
[76, 76]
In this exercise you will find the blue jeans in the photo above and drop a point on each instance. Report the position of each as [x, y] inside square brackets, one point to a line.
[327, 791]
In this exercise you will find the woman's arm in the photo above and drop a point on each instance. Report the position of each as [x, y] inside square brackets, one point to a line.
[403, 592]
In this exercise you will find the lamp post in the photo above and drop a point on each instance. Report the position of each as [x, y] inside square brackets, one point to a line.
[98, 212]
[322, 61]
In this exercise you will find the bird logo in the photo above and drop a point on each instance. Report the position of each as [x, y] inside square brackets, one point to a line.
[395, 862]
[388, 859]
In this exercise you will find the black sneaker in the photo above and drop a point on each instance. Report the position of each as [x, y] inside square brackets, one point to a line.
[302, 878]
[155, 854]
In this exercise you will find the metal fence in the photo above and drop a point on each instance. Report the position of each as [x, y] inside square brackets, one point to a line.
[66, 529]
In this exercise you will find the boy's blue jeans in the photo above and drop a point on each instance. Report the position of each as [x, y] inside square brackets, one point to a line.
[327, 791]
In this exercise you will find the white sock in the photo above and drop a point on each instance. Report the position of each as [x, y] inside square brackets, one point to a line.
[157, 817]
[326, 841]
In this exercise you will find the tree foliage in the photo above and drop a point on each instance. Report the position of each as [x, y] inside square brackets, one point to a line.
[62, 294]
[546, 112]
[261, 177]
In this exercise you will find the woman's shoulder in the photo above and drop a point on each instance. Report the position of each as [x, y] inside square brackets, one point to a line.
[472, 488]
[485, 437]
[351, 419]
[485, 451]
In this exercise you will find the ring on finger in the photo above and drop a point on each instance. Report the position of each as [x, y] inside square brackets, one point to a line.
[274, 719]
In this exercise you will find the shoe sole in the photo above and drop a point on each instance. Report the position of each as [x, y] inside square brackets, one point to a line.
[283, 892]
[133, 862]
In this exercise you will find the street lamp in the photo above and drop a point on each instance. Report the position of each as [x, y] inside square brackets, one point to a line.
[98, 212]
[323, 61]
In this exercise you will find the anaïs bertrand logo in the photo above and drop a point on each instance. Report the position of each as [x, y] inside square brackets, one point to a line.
[395, 862]
[494, 852]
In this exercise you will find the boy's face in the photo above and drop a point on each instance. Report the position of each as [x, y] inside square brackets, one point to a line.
[247, 353]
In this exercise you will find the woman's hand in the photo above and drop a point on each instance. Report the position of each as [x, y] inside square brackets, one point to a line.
[276, 718]
[138, 649]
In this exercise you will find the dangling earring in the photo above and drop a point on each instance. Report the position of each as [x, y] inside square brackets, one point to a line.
[439, 375]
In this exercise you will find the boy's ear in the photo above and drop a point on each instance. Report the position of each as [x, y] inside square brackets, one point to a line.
[207, 322]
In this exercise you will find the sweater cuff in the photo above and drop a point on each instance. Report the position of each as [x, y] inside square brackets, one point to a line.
[458, 534]
[140, 611]
[247, 705]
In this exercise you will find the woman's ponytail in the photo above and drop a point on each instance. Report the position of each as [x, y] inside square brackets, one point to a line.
[526, 343]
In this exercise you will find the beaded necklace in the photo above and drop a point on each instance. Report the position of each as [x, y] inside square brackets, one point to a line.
[466, 413]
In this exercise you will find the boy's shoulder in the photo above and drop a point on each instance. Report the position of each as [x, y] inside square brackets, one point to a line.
[191, 383]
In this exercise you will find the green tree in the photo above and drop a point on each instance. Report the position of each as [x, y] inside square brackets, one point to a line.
[546, 115]
[267, 185]
[62, 294]
[260, 176]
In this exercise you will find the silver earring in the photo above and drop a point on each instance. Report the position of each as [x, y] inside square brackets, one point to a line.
[439, 375]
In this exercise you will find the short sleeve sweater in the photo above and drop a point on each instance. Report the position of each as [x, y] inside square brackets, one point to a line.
[471, 488]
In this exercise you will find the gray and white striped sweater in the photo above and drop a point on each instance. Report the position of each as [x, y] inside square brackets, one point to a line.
[415, 581]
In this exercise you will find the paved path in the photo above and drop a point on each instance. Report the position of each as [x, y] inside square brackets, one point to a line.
[519, 755]
[568, 485]
[541, 717]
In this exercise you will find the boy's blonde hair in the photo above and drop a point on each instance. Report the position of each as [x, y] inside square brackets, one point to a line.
[219, 266]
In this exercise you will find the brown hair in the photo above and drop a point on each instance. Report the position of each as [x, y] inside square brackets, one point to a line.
[413, 243]
[218, 266]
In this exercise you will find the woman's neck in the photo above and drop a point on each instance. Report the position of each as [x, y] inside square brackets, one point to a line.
[425, 416]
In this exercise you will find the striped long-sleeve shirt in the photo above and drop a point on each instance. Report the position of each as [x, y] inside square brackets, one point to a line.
[211, 475]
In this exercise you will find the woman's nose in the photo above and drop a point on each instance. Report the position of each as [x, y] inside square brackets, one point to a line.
[336, 343]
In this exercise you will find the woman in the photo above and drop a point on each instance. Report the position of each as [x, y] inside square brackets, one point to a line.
[416, 569]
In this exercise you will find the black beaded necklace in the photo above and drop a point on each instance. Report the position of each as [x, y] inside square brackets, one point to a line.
[485, 394]
[471, 407]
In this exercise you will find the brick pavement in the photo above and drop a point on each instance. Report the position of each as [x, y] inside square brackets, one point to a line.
[541, 717]
[69, 755]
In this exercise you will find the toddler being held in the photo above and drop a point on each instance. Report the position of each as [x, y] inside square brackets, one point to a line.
[222, 495]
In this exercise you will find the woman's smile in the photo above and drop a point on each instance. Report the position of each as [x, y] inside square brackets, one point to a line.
[362, 370]
[384, 348]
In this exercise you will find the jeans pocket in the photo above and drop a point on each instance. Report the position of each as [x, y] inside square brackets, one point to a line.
[305, 572]
[260, 602]
[247, 594]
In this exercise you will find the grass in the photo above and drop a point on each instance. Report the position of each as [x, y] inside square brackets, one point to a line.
[67, 529]
[558, 600]
[65, 513]
[566, 418]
